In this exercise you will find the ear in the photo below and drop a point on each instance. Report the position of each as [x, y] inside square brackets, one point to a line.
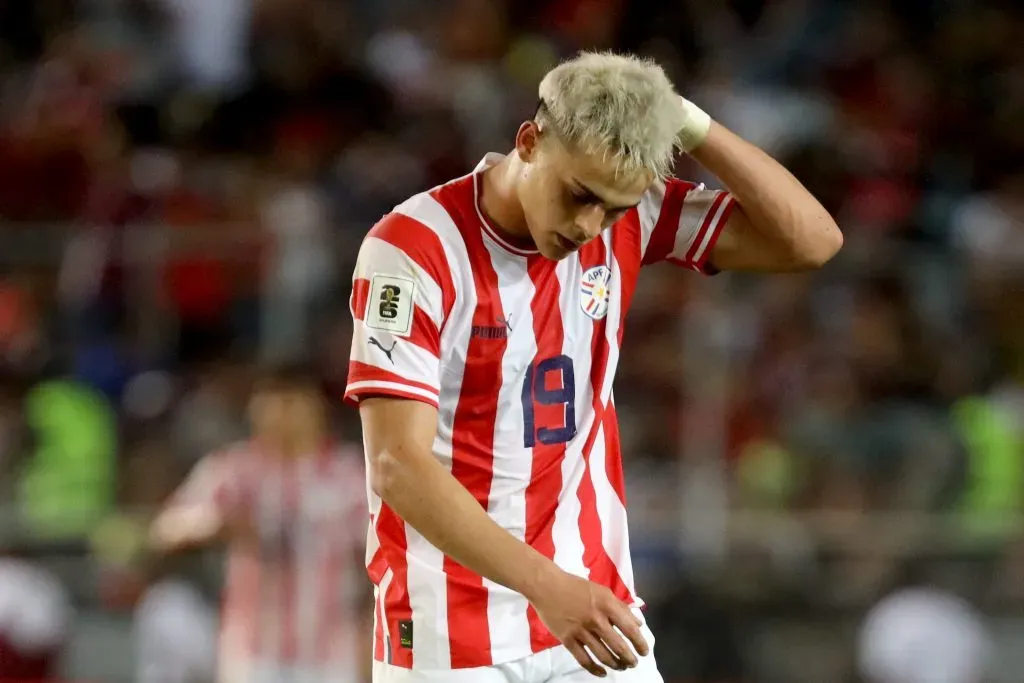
[527, 140]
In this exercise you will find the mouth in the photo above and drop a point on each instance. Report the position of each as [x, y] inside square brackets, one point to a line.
[568, 244]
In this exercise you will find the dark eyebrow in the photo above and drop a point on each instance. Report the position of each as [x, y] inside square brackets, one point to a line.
[600, 200]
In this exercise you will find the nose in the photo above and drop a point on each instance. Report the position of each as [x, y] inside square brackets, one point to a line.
[589, 223]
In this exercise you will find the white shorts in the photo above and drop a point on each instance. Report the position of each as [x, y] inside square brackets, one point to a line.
[264, 672]
[556, 665]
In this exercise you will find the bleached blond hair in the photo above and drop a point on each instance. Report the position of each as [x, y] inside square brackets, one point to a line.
[614, 105]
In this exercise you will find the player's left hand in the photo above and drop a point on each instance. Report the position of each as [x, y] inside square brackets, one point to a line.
[588, 619]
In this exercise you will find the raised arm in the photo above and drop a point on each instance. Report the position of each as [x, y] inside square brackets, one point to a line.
[775, 223]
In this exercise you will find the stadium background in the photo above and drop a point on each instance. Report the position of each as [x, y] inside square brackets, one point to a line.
[184, 183]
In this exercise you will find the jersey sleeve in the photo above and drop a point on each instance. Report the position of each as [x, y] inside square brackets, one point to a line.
[402, 294]
[680, 222]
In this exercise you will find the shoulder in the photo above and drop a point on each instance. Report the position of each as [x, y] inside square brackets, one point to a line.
[422, 240]
[435, 218]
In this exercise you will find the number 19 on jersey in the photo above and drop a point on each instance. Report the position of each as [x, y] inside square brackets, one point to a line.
[536, 392]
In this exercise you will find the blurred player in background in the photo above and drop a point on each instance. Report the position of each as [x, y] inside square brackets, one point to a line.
[292, 512]
[488, 324]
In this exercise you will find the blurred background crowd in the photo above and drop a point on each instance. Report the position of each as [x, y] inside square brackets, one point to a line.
[184, 185]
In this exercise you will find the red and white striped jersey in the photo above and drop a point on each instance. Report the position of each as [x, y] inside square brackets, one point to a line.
[518, 353]
[292, 599]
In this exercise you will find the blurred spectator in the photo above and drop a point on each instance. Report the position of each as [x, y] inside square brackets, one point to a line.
[924, 635]
[301, 268]
[67, 484]
[175, 634]
[35, 622]
[210, 38]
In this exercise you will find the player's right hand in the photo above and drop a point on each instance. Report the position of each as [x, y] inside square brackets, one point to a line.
[592, 623]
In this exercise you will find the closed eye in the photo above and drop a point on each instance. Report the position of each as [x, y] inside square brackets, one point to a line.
[585, 197]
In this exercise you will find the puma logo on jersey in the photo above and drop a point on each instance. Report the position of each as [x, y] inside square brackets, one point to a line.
[493, 331]
[387, 352]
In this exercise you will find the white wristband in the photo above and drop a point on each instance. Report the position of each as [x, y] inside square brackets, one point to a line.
[696, 124]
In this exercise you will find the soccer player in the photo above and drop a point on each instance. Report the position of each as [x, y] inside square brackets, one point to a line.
[488, 323]
[292, 511]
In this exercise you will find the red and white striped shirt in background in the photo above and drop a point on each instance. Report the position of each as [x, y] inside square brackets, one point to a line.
[518, 353]
[290, 606]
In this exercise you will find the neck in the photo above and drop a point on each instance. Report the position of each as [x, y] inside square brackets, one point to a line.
[294, 447]
[499, 200]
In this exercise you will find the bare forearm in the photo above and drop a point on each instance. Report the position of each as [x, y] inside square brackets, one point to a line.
[430, 499]
[786, 215]
[180, 529]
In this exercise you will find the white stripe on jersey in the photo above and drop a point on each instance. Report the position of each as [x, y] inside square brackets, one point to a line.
[614, 530]
[512, 460]
[381, 594]
[649, 210]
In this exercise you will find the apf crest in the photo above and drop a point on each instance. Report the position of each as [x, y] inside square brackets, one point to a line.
[595, 292]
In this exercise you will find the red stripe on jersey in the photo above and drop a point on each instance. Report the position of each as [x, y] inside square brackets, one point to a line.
[423, 246]
[605, 573]
[424, 333]
[595, 558]
[357, 302]
[370, 392]
[397, 607]
[290, 493]
[626, 249]
[363, 372]
[663, 237]
[473, 438]
[613, 453]
[377, 566]
[698, 261]
[546, 469]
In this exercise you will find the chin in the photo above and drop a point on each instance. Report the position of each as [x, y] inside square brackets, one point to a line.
[553, 252]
